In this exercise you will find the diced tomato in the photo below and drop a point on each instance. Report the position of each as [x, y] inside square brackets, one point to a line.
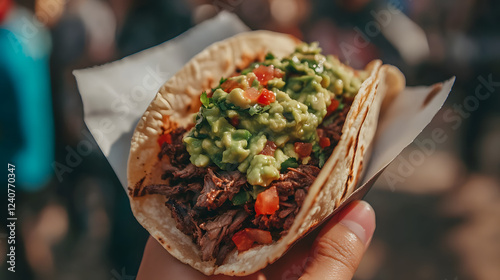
[229, 85]
[266, 97]
[303, 149]
[269, 149]
[260, 236]
[164, 138]
[264, 73]
[252, 94]
[267, 73]
[333, 106]
[244, 239]
[267, 202]
[235, 121]
[324, 142]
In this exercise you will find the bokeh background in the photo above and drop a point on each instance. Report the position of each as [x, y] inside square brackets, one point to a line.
[438, 215]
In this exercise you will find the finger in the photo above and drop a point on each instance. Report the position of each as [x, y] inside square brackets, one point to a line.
[341, 243]
[291, 265]
[158, 264]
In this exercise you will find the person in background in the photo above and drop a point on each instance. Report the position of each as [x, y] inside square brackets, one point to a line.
[26, 120]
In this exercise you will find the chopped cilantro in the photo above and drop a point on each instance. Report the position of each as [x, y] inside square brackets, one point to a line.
[224, 106]
[318, 153]
[290, 162]
[257, 109]
[269, 56]
[288, 116]
[217, 159]
[322, 159]
[241, 198]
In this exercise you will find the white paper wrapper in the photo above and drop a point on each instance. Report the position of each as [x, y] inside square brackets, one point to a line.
[115, 95]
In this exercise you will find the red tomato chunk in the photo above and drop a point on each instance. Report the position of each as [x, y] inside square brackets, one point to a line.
[164, 138]
[266, 97]
[244, 239]
[235, 121]
[324, 142]
[303, 149]
[267, 73]
[333, 107]
[269, 149]
[267, 202]
[252, 94]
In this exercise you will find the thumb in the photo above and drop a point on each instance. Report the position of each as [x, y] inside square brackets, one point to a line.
[340, 245]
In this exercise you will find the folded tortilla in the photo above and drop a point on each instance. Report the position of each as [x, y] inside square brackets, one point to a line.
[178, 98]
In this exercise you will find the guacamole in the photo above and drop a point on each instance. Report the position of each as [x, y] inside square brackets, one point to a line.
[265, 118]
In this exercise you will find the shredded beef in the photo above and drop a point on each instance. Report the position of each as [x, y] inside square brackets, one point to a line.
[217, 230]
[300, 196]
[287, 211]
[176, 151]
[227, 245]
[292, 188]
[162, 189]
[191, 171]
[334, 130]
[284, 187]
[214, 232]
[218, 189]
[168, 171]
[169, 191]
[200, 198]
[224, 250]
[185, 218]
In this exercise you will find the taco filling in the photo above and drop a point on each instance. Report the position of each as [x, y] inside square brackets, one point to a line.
[239, 176]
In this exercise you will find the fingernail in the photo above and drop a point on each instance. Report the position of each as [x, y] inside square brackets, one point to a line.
[359, 217]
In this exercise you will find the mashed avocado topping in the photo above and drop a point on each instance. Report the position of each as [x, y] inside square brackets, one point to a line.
[264, 119]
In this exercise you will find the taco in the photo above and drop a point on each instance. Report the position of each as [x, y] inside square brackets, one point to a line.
[250, 145]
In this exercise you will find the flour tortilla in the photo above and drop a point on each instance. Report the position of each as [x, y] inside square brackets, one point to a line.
[179, 99]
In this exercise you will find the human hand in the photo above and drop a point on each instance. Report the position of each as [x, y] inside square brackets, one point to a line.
[334, 253]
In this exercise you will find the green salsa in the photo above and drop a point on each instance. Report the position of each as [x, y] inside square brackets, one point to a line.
[255, 120]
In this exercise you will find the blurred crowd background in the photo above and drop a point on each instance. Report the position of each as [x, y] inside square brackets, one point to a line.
[438, 218]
